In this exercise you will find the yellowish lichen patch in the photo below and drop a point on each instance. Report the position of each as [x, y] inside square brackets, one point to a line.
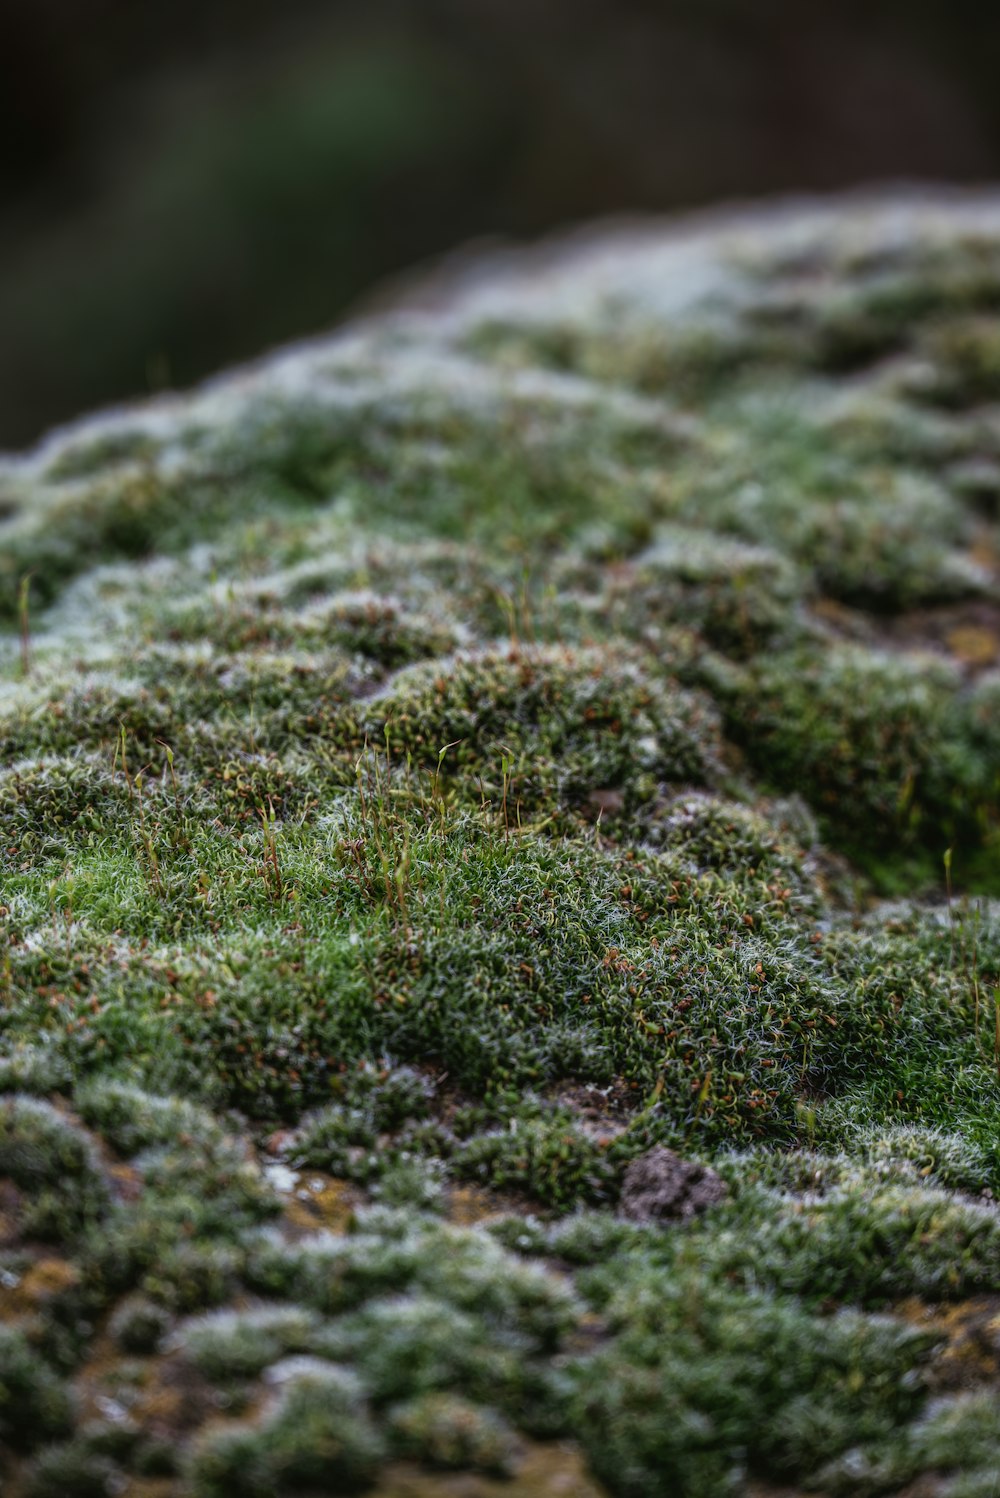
[43, 1280]
[970, 1333]
[544, 1471]
[974, 645]
[318, 1201]
[468, 1205]
[150, 1487]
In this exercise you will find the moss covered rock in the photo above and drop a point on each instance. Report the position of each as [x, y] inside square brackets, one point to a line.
[455, 765]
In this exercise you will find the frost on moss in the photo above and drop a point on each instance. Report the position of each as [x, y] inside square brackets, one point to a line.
[574, 727]
[447, 1431]
[451, 760]
[892, 751]
[318, 1435]
[54, 1166]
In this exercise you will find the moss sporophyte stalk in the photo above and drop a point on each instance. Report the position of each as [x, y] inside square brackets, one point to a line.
[499, 873]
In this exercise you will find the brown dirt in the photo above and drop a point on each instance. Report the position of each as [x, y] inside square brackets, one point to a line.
[550, 1470]
[659, 1186]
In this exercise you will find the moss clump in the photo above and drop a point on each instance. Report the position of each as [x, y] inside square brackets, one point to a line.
[446, 1431]
[34, 1402]
[318, 1435]
[229, 1346]
[377, 1126]
[75, 1470]
[549, 1157]
[709, 834]
[741, 598]
[570, 725]
[139, 1325]
[45, 809]
[393, 1251]
[36, 1070]
[958, 1439]
[662, 1410]
[55, 1165]
[133, 1120]
[180, 1242]
[963, 362]
[934, 1245]
[887, 749]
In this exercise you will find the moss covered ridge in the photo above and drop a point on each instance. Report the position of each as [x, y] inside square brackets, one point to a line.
[553, 722]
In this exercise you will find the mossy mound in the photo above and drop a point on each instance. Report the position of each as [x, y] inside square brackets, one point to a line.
[450, 761]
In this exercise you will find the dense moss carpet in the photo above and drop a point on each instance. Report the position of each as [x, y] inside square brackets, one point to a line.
[454, 759]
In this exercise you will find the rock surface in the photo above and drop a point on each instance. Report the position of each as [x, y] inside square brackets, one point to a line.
[660, 1186]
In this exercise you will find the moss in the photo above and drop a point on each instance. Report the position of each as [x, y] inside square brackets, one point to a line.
[34, 1402]
[192, 1276]
[229, 1346]
[133, 1120]
[699, 1393]
[74, 1470]
[394, 1251]
[473, 753]
[342, 1138]
[711, 834]
[412, 1180]
[46, 809]
[139, 1325]
[957, 1162]
[330, 1273]
[318, 1434]
[958, 1438]
[964, 362]
[934, 1245]
[408, 1345]
[35, 1070]
[549, 1158]
[884, 747]
[741, 598]
[54, 1162]
[447, 1431]
[571, 725]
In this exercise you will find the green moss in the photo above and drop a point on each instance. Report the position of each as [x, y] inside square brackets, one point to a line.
[55, 1164]
[964, 360]
[888, 750]
[186, 1277]
[959, 1438]
[74, 1470]
[34, 1402]
[36, 1070]
[709, 834]
[549, 1158]
[446, 1431]
[396, 1251]
[699, 1390]
[132, 1120]
[741, 598]
[45, 809]
[139, 1325]
[435, 759]
[571, 724]
[870, 1244]
[317, 1435]
[231, 1346]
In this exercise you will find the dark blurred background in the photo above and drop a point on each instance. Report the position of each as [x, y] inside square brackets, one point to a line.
[186, 182]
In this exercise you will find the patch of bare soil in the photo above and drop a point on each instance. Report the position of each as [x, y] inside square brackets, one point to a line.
[660, 1187]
